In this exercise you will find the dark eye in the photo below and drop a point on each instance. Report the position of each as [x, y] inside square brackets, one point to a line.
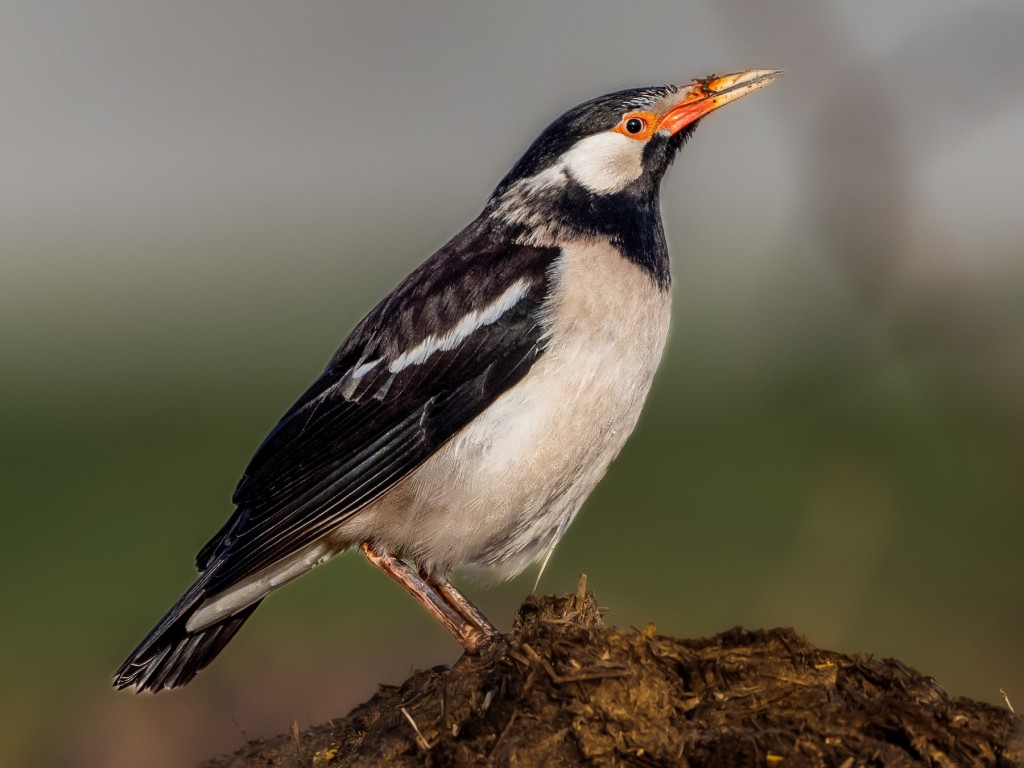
[635, 125]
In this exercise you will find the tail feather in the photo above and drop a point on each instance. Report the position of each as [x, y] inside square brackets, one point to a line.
[170, 655]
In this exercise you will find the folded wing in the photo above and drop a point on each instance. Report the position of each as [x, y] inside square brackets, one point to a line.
[459, 331]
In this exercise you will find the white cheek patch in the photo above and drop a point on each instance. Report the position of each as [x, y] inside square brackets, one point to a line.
[605, 162]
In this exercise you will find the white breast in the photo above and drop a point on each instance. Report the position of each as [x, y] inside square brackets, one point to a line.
[504, 490]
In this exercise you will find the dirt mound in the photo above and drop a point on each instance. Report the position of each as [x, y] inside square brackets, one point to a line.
[566, 690]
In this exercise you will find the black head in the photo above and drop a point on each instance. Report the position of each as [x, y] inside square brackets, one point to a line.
[597, 169]
[613, 133]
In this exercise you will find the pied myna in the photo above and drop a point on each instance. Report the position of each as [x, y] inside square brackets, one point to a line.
[468, 416]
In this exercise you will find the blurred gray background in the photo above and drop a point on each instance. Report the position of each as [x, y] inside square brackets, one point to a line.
[199, 200]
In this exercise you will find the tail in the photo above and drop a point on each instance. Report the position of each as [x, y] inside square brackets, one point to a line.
[171, 655]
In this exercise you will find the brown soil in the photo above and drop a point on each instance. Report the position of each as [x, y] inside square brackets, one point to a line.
[565, 690]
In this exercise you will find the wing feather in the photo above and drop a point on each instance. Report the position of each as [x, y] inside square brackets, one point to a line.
[350, 438]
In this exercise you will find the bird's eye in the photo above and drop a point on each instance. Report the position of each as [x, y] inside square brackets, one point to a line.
[636, 125]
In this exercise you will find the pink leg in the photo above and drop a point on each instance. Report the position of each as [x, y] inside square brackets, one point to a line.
[467, 634]
[462, 606]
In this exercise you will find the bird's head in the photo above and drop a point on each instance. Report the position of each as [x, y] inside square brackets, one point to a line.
[611, 150]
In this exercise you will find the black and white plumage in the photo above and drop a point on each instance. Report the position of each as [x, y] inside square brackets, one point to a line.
[468, 416]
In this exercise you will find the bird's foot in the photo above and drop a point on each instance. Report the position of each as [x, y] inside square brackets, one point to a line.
[473, 639]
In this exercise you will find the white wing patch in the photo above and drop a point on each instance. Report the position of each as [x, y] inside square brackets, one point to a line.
[350, 381]
[463, 329]
[365, 368]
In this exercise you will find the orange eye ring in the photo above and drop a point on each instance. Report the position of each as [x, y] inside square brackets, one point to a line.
[636, 125]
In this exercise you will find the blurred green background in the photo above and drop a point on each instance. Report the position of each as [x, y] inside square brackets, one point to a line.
[199, 200]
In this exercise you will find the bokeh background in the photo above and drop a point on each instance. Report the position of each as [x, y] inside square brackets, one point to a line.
[198, 201]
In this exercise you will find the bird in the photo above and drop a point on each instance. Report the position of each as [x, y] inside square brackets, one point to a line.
[466, 418]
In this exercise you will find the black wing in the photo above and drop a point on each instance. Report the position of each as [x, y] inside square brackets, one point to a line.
[454, 335]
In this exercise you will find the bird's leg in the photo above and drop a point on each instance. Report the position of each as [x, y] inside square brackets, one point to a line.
[461, 604]
[467, 633]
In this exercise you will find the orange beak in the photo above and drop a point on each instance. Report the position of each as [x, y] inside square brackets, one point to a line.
[711, 93]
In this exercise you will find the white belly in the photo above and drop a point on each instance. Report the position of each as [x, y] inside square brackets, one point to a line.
[504, 490]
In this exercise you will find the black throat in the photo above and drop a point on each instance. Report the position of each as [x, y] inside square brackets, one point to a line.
[630, 220]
